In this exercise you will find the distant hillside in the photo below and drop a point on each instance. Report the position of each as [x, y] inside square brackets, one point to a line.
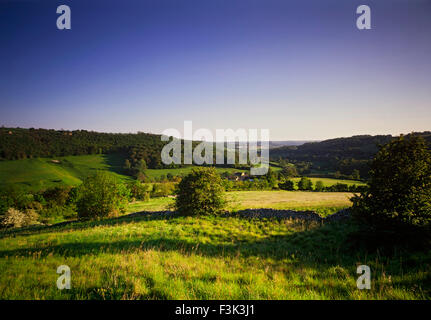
[42, 173]
[18, 143]
[340, 154]
[277, 144]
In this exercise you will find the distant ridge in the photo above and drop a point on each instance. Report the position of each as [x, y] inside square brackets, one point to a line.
[277, 144]
[340, 154]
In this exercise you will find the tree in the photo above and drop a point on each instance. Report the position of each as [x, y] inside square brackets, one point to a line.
[399, 189]
[319, 186]
[101, 195]
[356, 175]
[271, 178]
[139, 191]
[17, 219]
[288, 185]
[200, 193]
[289, 171]
[305, 184]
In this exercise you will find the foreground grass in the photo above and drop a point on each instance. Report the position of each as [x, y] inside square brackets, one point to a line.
[149, 257]
[323, 203]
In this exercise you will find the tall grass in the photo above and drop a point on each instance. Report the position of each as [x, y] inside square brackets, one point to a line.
[151, 257]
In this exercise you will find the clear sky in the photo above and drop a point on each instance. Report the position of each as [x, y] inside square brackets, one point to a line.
[299, 68]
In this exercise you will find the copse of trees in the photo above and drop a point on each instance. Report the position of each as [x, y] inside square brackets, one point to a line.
[399, 190]
[61, 203]
[200, 193]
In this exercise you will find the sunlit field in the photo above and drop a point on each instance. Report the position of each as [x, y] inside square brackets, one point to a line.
[41, 173]
[152, 257]
[321, 202]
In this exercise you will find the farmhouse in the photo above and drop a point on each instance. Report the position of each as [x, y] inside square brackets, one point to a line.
[239, 176]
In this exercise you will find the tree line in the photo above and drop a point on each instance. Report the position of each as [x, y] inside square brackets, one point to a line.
[18, 143]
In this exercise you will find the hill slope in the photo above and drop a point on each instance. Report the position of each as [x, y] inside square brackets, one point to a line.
[340, 154]
[40, 173]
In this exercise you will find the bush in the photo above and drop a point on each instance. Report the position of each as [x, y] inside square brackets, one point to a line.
[17, 219]
[57, 195]
[319, 186]
[305, 184]
[139, 191]
[200, 193]
[13, 197]
[399, 189]
[338, 187]
[101, 195]
[52, 213]
[288, 185]
[163, 189]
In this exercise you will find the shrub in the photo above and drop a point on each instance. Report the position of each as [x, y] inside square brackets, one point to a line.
[139, 191]
[399, 189]
[287, 185]
[17, 219]
[58, 195]
[163, 189]
[200, 193]
[52, 213]
[319, 186]
[13, 197]
[305, 184]
[338, 187]
[101, 195]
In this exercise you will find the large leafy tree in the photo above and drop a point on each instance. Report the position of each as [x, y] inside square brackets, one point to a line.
[200, 193]
[399, 189]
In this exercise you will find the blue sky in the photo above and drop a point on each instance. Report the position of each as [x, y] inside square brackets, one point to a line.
[299, 68]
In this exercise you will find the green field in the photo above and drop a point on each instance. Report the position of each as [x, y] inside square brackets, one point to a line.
[321, 202]
[150, 257]
[40, 173]
[327, 182]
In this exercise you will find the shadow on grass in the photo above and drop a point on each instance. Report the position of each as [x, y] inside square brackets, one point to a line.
[115, 161]
[324, 244]
[143, 216]
[323, 249]
[84, 224]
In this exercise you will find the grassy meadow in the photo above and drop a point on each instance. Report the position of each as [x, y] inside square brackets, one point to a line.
[151, 257]
[327, 182]
[322, 202]
[40, 173]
